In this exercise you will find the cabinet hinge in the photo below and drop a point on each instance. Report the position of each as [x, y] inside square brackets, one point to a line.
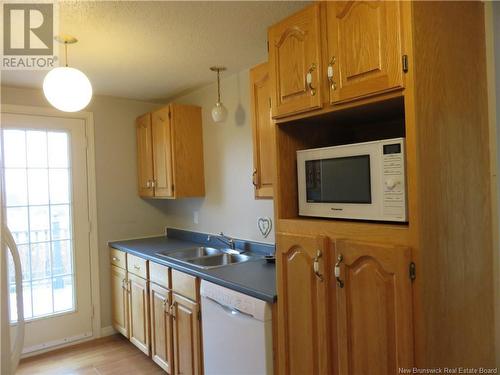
[199, 315]
[268, 46]
[169, 115]
[412, 271]
[172, 187]
[270, 106]
[405, 63]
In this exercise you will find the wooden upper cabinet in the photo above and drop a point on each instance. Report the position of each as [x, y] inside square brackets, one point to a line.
[162, 152]
[302, 304]
[295, 51]
[119, 300]
[263, 131]
[374, 309]
[364, 48]
[144, 156]
[173, 145]
[187, 336]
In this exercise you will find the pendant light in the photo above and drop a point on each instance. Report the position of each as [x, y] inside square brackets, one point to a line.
[219, 112]
[67, 89]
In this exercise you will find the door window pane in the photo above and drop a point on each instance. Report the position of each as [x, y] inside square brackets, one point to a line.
[59, 186]
[38, 199]
[42, 297]
[14, 142]
[17, 220]
[58, 150]
[40, 261]
[63, 293]
[16, 187]
[39, 223]
[60, 222]
[62, 262]
[36, 148]
[38, 186]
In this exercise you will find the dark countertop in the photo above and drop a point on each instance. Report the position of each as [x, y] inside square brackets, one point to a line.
[256, 278]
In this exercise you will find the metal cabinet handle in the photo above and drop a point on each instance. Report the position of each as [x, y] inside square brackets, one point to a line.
[137, 267]
[333, 84]
[165, 308]
[340, 282]
[309, 79]
[148, 184]
[254, 175]
[316, 265]
[115, 259]
[172, 310]
[124, 285]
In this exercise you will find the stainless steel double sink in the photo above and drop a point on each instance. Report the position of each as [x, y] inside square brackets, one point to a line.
[206, 257]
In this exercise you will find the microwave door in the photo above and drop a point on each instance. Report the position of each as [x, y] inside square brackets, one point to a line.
[339, 180]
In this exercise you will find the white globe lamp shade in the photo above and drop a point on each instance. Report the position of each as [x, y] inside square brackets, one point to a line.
[67, 89]
[219, 112]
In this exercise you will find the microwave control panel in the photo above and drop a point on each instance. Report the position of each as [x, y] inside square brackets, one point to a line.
[393, 179]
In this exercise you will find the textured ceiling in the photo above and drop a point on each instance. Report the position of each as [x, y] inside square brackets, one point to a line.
[157, 50]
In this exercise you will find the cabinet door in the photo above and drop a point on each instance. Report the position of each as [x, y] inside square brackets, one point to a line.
[302, 304]
[119, 300]
[295, 50]
[161, 327]
[187, 342]
[144, 155]
[139, 312]
[162, 152]
[374, 309]
[364, 48]
[263, 131]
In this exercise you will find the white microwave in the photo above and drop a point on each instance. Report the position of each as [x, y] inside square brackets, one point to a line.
[364, 181]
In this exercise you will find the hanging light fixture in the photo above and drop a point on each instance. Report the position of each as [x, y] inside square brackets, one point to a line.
[67, 89]
[219, 112]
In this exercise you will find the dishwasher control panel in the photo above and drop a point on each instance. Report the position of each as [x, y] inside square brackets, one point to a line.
[231, 299]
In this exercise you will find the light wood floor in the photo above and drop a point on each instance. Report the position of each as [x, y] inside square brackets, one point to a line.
[107, 356]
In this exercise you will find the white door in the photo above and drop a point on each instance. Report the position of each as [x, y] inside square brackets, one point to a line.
[45, 171]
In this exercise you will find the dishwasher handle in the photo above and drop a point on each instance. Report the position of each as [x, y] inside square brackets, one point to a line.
[228, 309]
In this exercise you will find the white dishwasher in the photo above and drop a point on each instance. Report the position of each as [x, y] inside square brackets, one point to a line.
[237, 332]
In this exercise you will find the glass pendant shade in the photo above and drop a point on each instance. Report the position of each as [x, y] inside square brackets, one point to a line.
[67, 89]
[219, 112]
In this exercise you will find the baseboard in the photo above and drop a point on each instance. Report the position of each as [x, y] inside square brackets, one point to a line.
[108, 331]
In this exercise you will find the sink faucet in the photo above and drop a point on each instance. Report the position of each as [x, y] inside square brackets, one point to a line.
[225, 240]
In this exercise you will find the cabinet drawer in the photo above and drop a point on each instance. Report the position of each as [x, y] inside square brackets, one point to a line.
[118, 258]
[159, 274]
[137, 266]
[185, 285]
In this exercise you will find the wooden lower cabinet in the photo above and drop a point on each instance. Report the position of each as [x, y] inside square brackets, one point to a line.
[374, 308]
[161, 327]
[362, 325]
[186, 336]
[302, 304]
[119, 300]
[139, 312]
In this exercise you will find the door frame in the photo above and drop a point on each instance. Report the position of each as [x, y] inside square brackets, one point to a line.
[88, 119]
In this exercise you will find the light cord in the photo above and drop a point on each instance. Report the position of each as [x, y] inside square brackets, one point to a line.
[218, 85]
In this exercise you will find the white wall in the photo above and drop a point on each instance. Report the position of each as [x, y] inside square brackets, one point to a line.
[120, 212]
[229, 204]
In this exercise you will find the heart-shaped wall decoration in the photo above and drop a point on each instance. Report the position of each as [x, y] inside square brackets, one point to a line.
[265, 225]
